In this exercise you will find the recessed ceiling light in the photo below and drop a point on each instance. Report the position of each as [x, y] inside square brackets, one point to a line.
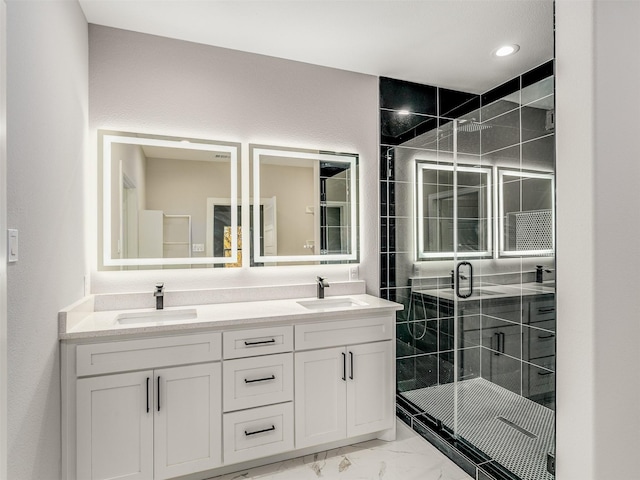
[506, 50]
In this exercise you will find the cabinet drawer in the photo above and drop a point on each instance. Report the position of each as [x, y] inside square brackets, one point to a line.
[540, 381]
[331, 334]
[257, 341]
[258, 432]
[539, 343]
[257, 381]
[98, 358]
[542, 311]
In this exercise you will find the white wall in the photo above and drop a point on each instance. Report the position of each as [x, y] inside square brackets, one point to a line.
[149, 84]
[3, 246]
[47, 111]
[598, 173]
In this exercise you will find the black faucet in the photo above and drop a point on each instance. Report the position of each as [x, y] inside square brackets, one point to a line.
[159, 294]
[322, 284]
[539, 271]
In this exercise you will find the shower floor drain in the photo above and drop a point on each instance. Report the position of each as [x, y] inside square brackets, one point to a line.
[514, 431]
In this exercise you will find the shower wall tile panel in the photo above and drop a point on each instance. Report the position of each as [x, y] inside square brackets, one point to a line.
[413, 97]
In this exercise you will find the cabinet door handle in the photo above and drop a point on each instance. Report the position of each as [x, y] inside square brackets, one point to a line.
[147, 394]
[351, 365]
[272, 377]
[543, 374]
[273, 427]
[544, 337]
[344, 366]
[502, 342]
[261, 342]
[158, 392]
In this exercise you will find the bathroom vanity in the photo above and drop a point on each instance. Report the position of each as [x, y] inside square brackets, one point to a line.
[203, 390]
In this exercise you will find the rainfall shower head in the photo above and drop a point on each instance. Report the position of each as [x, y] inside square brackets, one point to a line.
[471, 126]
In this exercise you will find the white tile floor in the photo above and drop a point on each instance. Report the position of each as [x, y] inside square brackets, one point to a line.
[409, 457]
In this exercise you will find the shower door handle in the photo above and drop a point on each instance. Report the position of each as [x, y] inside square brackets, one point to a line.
[467, 295]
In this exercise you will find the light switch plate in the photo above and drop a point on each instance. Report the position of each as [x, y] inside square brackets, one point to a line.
[197, 247]
[12, 245]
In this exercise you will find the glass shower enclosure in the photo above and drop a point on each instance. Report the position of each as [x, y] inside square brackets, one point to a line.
[476, 343]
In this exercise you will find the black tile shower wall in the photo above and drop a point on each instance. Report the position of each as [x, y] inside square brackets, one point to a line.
[417, 120]
[407, 96]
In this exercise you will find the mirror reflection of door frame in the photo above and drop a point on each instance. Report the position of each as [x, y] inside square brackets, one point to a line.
[212, 202]
[129, 218]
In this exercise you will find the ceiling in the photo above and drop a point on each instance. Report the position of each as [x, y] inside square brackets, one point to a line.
[447, 43]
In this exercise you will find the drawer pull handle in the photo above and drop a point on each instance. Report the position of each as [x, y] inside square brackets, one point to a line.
[544, 337]
[272, 377]
[273, 427]
[543, 374]
[261, 342]
[547, 310]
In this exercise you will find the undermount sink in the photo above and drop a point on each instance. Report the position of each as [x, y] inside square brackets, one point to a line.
[156, 316]
[327, 303]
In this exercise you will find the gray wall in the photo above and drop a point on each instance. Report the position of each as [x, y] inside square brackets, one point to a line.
[598, 106]
[149, 84]
[47, 110]
[3, 246]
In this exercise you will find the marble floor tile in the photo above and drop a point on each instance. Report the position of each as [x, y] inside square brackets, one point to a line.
[409, 457]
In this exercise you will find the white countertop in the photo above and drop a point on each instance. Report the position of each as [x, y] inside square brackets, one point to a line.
[489, 292]
[80, 321]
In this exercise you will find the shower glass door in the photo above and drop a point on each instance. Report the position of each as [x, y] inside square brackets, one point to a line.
[503, 392]
[475, 269]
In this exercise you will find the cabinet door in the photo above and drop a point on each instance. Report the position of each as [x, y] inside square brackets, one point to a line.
[370, 388]
[115, 427]
[320, 393]
[188, 417]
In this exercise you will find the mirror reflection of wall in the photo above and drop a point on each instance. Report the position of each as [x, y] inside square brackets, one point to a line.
[157, 196]
[308, 206]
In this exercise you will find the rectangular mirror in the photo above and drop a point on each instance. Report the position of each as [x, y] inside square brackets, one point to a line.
[526, 217]
[308, 206]
[169, 201]
[435, 206]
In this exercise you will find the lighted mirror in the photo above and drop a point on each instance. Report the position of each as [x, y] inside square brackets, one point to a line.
[169, 202]
[526, 213]
[441, 188]
[304, 205]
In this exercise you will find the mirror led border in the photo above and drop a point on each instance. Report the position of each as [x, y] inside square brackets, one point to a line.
[348, 159]
[426, 165]
[524, 174]
[108, 261]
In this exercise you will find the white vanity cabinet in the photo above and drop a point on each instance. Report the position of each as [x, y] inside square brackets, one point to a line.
[154, 404]
[343, 391]
[154, 423]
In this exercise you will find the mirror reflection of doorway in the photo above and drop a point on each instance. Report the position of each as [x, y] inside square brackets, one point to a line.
[219, 232]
